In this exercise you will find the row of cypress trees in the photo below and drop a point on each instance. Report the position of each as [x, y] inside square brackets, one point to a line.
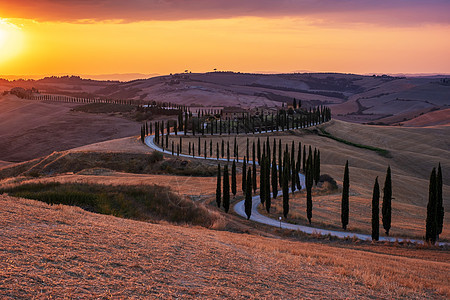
[435, 208]
[223, 194]
[269, 178]
[284, 173]
[211, 124]
[386, 205]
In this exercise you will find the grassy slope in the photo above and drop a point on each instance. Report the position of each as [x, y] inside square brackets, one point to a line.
[414, 152]
[64, 251]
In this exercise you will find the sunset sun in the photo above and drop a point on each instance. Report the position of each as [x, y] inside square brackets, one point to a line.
[11, 40]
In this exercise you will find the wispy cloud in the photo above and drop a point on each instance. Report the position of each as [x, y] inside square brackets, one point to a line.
[388, 12]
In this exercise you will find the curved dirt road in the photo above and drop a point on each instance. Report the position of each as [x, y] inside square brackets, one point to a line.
[257, 217]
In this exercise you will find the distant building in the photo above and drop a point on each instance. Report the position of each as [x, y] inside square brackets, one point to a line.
[233, 112]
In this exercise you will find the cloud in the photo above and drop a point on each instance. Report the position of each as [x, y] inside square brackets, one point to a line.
[392, 12]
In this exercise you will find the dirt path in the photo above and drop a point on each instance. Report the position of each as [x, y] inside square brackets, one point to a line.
[257, 217]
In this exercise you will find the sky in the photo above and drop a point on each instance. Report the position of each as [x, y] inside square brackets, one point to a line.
[135, 37]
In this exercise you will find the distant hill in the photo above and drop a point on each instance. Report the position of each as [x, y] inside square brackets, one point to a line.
[378, 99]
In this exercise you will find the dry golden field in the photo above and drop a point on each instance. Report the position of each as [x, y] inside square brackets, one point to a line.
[64, 252]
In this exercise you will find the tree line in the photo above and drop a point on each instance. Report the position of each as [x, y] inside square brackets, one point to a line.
[207, 124]
[279, 167]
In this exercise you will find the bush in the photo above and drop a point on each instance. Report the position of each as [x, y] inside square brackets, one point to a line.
[325, 178]
[155, 157]
[135, 202]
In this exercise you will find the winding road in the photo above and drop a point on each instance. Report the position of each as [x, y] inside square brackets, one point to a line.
[258, 217]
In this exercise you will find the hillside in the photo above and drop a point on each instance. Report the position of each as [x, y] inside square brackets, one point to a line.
[62, 251]
[356, 98]
[30, 129]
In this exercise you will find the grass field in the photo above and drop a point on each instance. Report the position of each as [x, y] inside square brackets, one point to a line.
[413, 152]
[63, 251]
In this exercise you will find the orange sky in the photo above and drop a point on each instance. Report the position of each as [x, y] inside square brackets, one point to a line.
[262, 42]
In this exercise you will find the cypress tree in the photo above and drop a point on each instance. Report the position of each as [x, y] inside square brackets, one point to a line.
[217, 150]
[267, 184]
[218, 188]
[274, 176]
[142, 135]
[244, 173]
[223, 148]
[259, 152]
[285, 188]
[210, 148]
[304, 159]
[253, 153]
[254, 177]
[262, 174]
[345, 196]
[432, 210]
[292, 157]
[226, 189]
[247, 151]
[309, 184]
[293, 177]
[317, 167]
[386, 205]
[280, 164]
[233, 178]
[376, 211]
[248, 194]
[440, 204]
[228, 150]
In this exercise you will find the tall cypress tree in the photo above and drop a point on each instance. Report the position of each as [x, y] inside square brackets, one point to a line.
[253, 152]
[274, 175]
[376, 211]
[248, 194]
[267, 184]
[345, 198]
[254, 177]
[233, 178]
[223, 148]
[317, 168]
[210, 148]
[262, 170]
[226, 189]
[218, 188]
[309, 183]
[386, 205]
[247, 150]
[259, 152]
[432, 210]
[292, 157]
[440, 204]
[228, 150]
[304, 159]
[280, 164]
[244, 173]
[285, 189]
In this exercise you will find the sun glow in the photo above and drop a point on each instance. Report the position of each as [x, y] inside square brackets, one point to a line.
[11, 41]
